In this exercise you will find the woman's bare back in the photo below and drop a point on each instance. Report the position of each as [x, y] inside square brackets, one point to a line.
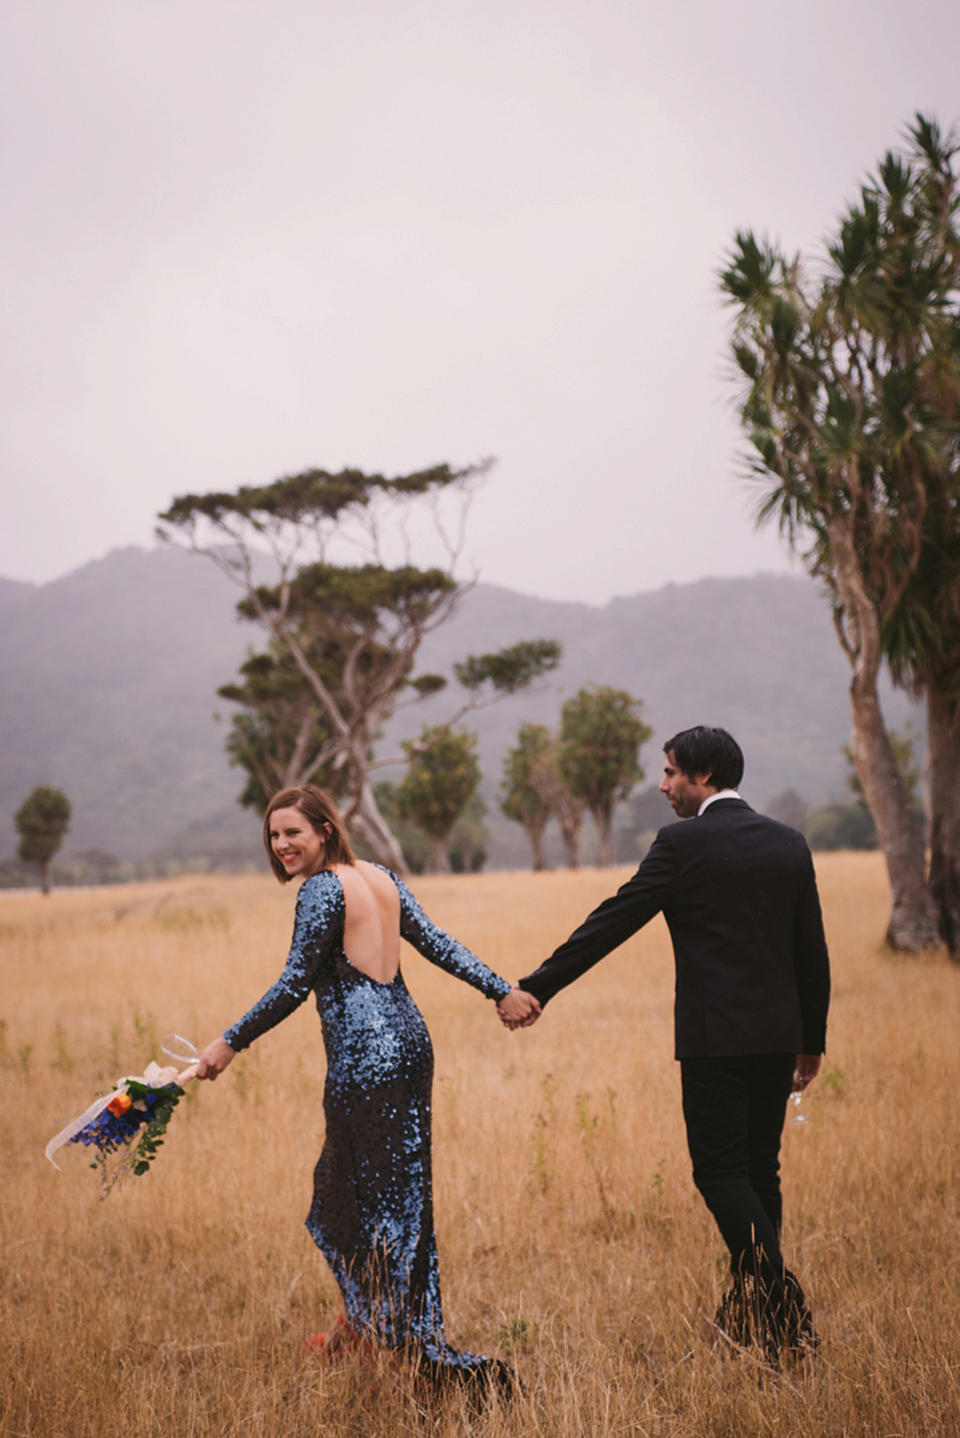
[371, 926]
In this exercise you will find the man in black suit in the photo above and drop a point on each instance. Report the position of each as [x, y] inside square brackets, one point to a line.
[739, 894]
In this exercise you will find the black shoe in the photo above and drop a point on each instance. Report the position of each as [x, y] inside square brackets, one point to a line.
[773, 1314]
[732, 1317]
[800, 1338]
[786, 1321]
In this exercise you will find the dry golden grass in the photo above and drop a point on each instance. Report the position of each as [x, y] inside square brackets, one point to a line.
[571, 1238]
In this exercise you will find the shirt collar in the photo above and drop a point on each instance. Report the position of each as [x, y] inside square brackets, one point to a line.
[722, 794]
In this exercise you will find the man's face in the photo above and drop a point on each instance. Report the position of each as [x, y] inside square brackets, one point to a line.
[685, 793]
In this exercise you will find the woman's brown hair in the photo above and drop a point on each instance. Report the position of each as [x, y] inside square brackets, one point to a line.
[318, 808]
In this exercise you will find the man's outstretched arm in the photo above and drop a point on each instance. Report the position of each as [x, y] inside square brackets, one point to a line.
[610, 924]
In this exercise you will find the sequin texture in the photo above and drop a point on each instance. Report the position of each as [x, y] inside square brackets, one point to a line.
[372, 1211]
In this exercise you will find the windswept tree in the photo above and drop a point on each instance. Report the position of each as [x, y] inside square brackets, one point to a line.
[601, 731]
[848, 385]
[442, 777]
[280, 734]
[42, 822]
[352, 631]
[522, 796]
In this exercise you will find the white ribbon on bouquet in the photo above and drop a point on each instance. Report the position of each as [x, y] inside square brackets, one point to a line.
[153, 1075]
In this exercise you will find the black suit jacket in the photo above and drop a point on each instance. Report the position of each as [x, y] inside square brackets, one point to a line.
[739, 894]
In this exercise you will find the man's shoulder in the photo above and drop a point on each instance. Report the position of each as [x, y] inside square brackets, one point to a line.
[735, 817]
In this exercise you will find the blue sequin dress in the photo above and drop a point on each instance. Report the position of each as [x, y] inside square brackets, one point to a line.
[372, 1212]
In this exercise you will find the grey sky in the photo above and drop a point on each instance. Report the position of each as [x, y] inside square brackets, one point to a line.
[242, 239]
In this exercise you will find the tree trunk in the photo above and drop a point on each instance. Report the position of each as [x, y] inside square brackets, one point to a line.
[439, 858]
[913, 920]
[603, 818]
[368, 823]
[943, 729]
[535, 831]
[45, 878]
[570, 819]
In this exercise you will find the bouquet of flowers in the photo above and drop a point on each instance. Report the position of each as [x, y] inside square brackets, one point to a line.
[127, 1125]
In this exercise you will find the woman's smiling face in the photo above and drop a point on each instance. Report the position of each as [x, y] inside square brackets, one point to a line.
[296, 842]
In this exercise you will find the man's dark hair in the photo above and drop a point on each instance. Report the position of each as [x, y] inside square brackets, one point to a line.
[703, 750]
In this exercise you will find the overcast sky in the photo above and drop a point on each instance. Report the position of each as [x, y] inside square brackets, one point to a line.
[243, 239]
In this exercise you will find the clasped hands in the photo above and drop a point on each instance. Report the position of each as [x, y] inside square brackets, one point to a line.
[518, 1009]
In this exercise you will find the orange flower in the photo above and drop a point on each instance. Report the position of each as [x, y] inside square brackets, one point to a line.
[119, 1104]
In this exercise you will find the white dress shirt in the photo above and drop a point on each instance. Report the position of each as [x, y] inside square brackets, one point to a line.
[721, 794]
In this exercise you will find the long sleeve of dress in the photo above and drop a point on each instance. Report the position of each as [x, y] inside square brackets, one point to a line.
[318, 927]
[443, 950]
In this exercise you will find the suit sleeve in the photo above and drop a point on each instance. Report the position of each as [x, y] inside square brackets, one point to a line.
[632, 906]
[811, 964]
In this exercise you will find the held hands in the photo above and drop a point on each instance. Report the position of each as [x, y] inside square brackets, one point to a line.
[214, 1059]
[518, 1010]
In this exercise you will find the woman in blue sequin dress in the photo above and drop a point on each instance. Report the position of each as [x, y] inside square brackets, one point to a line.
[372, 1211]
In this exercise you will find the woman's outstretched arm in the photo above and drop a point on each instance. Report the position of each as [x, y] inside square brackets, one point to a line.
[444, 950]
[318, 925]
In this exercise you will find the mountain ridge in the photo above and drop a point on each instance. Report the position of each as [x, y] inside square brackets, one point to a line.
[108, 680]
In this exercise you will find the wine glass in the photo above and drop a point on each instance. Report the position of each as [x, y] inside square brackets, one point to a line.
[179, 1048]
[797, 1096]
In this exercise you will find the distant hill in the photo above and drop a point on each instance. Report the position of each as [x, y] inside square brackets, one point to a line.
[108, 682]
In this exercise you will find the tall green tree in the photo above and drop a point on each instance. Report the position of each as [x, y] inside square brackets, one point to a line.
[839, 384]
[442, 777]
[535, 787]
[353, 631]
[601, 732]
[42, 822]
[522, 796]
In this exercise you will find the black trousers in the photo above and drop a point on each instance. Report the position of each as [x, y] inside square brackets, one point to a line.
[734, 1110]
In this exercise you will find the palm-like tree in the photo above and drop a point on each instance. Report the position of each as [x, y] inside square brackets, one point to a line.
[922, 638]
[840, 402]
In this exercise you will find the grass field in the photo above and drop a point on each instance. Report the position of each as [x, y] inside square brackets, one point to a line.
[571, 1238]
